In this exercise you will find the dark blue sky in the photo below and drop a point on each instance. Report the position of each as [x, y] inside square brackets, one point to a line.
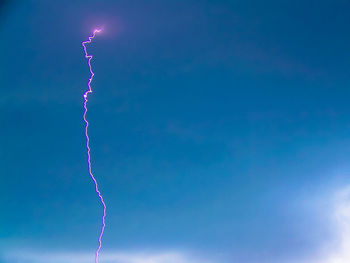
[219, 128]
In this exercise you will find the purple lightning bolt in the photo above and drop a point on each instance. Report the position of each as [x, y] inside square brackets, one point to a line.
[89, 90]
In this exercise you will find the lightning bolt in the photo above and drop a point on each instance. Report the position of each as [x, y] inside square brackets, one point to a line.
[89, 90]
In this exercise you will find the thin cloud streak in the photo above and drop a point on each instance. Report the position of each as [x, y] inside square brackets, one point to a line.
[112, 257]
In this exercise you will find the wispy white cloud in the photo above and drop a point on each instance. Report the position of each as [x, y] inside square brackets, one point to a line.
[336, 250]
[339, 249]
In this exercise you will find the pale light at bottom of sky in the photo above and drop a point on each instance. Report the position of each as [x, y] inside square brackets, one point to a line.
[333, 251]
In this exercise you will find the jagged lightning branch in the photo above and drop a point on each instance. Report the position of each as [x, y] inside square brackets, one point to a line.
[89, 90]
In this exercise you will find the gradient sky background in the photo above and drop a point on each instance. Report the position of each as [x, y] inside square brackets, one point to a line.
[220, 130]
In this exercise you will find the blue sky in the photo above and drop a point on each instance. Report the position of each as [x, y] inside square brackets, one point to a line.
[219, 131]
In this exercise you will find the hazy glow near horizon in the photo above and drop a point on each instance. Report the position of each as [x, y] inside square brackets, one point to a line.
[334, 251]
